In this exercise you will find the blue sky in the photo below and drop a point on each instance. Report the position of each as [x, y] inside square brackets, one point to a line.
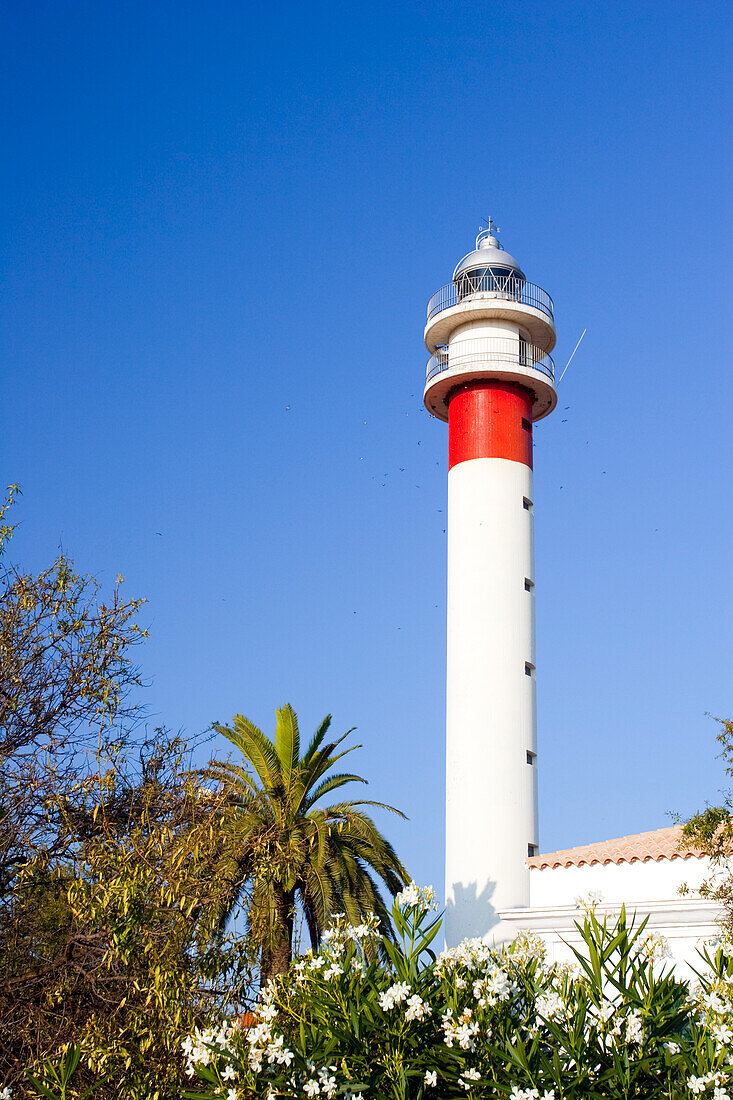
[221, 225]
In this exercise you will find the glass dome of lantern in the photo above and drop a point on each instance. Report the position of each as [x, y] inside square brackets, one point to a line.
[488, 270]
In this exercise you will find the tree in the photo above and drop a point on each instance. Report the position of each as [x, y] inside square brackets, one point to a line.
[292, 853]
[66, 674]
[108, 930]
[711, 831]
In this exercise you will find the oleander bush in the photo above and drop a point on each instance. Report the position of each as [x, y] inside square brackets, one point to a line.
[477, 1021]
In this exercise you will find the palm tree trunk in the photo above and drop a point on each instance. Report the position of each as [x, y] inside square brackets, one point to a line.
[275, 957]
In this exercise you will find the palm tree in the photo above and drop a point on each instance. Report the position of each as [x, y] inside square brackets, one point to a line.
[285, 851]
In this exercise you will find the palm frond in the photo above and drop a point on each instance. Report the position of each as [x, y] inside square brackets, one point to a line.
[232, 775]
[318, 892]
[255, 747]
[311, 921]
[345, 806]
[318, 765]
[287, 741]
[317, 739]
[331, 784]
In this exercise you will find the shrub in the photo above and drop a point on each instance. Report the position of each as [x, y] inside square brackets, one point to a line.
[476, 1020]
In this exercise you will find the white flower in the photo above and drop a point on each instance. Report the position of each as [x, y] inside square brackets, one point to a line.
[393, 996]
[6, 1094]
[463, 1033]
[416, 1008]
[278, 1052]
[551, 1006]
[523, 1094]
[604, 1012]
[228, 1073]
[232, 1094]
[492, 988]
[358, 932]
[526, 946]
[269, 992]
[722, 1033]
[471, 953]
[469, 1076]
[333, 971]
[311, 1088]
[673, 1048]
[273, 1050]
[634, 1029]
[414, 895]
[653, 947]
[713, 1003]
[589, 902]
[409, 896]
[431, 1079]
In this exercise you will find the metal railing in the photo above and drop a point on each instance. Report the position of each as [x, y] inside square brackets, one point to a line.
[494, 353]
[472, 288]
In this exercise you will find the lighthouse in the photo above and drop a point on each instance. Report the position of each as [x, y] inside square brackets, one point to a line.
[490, 376]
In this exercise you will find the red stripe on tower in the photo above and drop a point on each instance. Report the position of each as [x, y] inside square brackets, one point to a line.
[488, 419]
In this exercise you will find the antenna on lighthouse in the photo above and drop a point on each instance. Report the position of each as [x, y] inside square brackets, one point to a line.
[488, 230]
[491, 226]
[571, 357]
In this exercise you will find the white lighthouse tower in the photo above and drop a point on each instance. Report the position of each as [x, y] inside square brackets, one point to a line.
[490, 376]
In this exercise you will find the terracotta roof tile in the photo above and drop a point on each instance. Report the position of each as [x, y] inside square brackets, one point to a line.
[641, 847]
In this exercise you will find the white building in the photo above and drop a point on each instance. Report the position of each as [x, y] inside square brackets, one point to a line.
[645, 872]
[490, 375]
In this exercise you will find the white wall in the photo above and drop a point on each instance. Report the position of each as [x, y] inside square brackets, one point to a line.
[490, 788]
[618, 882]
[648, 889]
